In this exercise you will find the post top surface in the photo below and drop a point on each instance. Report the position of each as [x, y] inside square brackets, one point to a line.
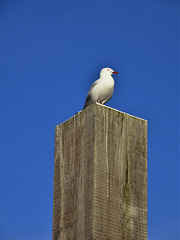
[92, 106]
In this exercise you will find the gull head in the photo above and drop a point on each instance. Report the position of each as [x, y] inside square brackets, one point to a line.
[107, 72]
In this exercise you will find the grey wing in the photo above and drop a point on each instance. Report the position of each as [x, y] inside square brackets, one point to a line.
[88, 98]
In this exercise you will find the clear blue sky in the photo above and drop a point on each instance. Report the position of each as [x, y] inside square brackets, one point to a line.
[50, 53]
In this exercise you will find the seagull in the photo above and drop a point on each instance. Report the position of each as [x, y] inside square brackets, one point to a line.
[102, 89]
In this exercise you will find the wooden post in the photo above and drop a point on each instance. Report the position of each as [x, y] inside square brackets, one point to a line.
[100, 176]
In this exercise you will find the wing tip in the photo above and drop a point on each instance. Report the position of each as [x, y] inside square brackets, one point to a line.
[88, 102]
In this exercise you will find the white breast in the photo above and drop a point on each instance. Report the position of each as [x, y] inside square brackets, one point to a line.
[103, 90]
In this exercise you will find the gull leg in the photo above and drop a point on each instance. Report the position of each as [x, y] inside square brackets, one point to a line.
[100, 101]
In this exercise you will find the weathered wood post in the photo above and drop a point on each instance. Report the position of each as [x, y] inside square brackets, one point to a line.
[100, 176]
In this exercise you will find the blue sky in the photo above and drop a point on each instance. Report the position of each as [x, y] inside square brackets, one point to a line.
[51, 51]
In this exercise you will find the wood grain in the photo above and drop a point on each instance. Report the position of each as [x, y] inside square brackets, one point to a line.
[100, 176]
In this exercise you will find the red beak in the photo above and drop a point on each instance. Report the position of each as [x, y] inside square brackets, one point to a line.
[115, 72]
